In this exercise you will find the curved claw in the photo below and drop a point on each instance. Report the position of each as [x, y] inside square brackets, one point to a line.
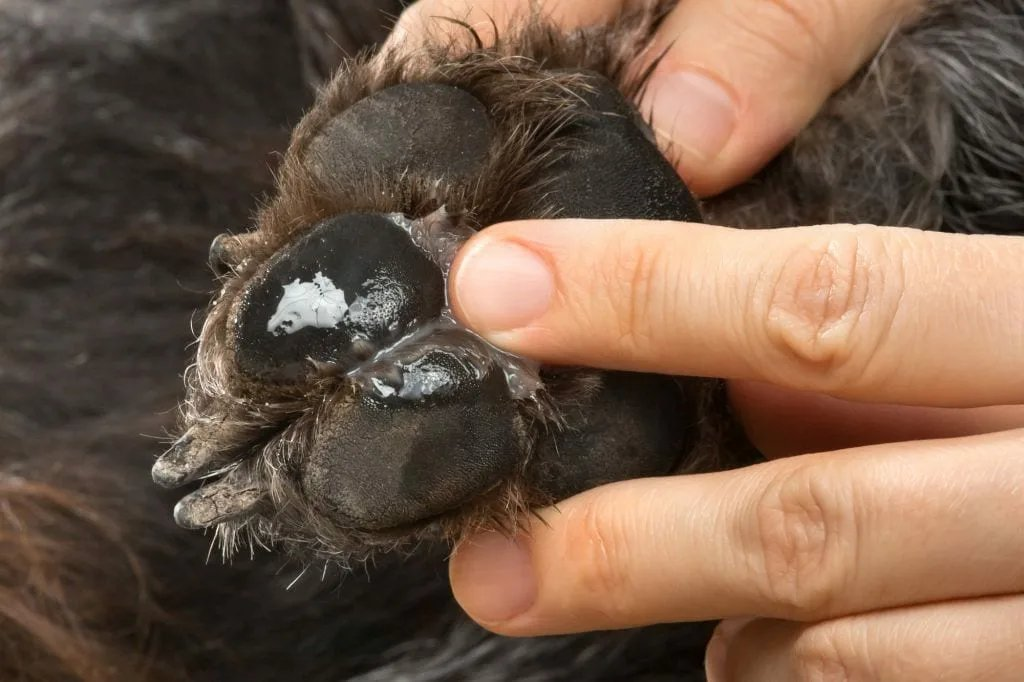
[189, 459]
[232, 496]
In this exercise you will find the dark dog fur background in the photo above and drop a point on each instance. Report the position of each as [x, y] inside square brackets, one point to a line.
[132, 132]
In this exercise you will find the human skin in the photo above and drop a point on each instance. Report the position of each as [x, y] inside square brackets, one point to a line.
[885, 561]
[739, 77]
[878, 368]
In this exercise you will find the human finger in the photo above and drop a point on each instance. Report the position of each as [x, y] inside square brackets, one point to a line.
[970, 640]
[735, 81]
[782, 422]
[444, 20]
[740, 79]
[861, 312]
[807, 539]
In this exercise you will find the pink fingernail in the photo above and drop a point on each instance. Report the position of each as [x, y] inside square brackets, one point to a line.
[493, 578]
[696, 112]
[501, 285]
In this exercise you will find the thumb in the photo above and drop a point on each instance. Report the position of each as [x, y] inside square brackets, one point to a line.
[740, 78]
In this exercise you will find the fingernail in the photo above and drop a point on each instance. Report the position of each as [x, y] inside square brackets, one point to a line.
[501, 285]
[716, 654]
[694, 111]
[492, 577]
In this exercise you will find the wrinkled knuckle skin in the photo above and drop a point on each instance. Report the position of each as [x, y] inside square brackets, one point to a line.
[829, 306]
[595, 548]
[800, 536]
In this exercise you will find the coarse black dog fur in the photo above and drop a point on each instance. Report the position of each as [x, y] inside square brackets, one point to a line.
[134, 131]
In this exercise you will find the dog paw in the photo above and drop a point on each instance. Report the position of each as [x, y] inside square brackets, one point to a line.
[335, 404]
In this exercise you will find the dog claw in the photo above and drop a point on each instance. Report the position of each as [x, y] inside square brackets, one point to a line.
[189, 459]
[227, 498]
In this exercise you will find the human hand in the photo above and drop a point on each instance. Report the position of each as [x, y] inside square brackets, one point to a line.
[740, 78]
[888, 561]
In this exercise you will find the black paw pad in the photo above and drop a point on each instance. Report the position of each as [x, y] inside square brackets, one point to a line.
[383, 462]
[350, 286]
[633, 426]
[430, 129]
[610, 167]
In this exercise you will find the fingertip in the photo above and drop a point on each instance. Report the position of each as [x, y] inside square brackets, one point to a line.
[498, 285]
[492, 578]
[715, 129]
[737, 81]
[694, 114]
[615, 294]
